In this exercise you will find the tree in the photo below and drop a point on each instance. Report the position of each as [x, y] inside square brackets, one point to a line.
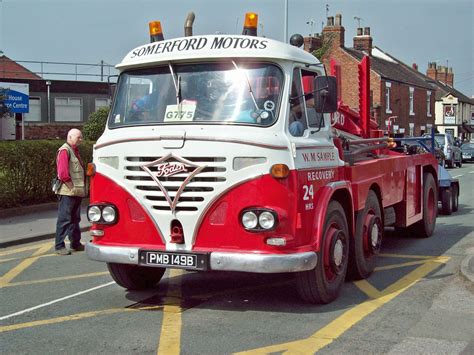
[3, 107]
[95, 125]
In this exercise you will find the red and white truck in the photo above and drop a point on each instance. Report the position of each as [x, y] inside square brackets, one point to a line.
[232, 153]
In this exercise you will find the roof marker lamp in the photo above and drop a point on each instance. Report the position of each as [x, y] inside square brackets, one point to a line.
[250, 24]
[156, 33]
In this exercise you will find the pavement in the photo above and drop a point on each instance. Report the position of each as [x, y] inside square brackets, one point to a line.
[34, 223]
[21, 225]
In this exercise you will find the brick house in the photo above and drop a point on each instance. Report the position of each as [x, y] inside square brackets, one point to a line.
[454, 111]
[398, 92]
[55, 105]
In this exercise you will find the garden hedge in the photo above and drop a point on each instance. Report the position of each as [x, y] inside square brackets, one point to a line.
[26, 170]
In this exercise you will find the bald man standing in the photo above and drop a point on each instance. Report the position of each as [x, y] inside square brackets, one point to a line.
[72, 174]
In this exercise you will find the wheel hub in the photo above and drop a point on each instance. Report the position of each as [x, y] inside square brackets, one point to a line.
[338, 252]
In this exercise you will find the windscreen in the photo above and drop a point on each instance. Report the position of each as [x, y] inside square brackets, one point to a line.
[440, 140]
[210, 93]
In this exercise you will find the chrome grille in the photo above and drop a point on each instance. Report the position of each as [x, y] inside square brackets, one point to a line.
[195, 192]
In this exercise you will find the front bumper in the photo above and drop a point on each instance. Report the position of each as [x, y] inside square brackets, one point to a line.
[221, 261]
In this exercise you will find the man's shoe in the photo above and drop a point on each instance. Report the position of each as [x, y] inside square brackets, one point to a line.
[63, 251]
[80, 247]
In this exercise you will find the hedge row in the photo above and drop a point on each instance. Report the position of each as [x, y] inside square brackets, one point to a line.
[26, 170]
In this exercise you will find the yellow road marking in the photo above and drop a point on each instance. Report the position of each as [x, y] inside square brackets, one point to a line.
[10, 275]
[22, 249]
[28, 257]
[337, 327]
[77, 316]
[63, 278]
[397, 266]
[405, 256]
[170, 336]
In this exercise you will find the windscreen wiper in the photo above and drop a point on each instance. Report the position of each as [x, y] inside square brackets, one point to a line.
[249, 85]
[177, 85]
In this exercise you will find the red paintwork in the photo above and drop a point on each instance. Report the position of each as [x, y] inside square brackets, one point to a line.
[134, 226]
[221, 228]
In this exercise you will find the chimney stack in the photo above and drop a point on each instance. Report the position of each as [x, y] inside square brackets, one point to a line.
[334, 31]
[440, 73]
[415, 66]
[363, 42]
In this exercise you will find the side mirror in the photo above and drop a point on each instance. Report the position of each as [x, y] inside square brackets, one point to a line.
[325, 94]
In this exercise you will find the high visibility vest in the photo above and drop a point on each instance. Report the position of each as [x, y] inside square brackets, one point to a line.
[76, 171]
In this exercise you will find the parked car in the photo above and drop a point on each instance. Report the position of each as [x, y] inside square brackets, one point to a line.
[467, 150]
[450, 149]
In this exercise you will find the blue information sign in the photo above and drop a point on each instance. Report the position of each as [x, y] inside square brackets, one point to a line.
[17, 98]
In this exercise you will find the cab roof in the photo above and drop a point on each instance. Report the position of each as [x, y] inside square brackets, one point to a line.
[213, 47]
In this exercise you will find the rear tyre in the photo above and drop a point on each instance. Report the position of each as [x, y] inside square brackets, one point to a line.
[426, 226]
[449, 164]
[323, 283]
[367, 239]
[446, 201]
[459, 163]
[455, 197]
[133, 277]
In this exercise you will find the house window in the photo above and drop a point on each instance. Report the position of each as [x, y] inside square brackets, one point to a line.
[388, 87]
[35, 110]
[412, 94]
[428, 103]
[99, 103]
[68, 109]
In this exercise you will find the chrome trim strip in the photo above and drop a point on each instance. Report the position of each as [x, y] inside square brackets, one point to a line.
[298, 147]
[204, 139]
[336, 184]
[263, 263]
[120, 255]
[223, 261]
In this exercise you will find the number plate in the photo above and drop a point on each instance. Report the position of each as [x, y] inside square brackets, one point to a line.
[175, 260]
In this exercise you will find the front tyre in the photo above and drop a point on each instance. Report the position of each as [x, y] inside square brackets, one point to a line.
[133, 277]
[323, 283]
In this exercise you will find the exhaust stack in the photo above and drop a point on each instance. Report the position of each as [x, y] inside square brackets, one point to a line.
[188, 24]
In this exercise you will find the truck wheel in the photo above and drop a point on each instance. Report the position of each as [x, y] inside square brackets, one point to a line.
[133, 277]
[367, 239]
[323, 283]
[459, 164]
[449, 164]
[446, 201]
[455, 197]
[426, 226]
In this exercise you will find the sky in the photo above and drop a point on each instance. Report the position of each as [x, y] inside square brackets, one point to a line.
[88, 31]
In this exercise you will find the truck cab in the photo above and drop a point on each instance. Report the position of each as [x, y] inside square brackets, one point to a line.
[219, 155]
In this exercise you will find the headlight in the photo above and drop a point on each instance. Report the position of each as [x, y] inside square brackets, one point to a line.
[108, 214]
[249, 220]
[93, 214]
[266, 220]
[259, 219]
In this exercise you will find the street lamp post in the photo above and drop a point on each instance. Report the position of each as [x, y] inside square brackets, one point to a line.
[48, 99]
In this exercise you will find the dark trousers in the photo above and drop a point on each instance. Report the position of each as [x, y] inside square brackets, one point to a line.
[69, 216]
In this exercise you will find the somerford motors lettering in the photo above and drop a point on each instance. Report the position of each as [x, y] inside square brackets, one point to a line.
[168, 169]
[189, 44]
